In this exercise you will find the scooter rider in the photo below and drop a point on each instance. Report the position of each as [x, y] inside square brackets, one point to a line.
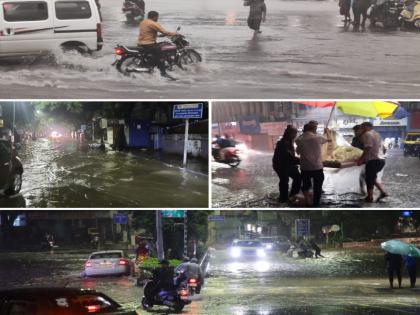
[191, 269]
[163, 278]
[149, 29]
[223, 143]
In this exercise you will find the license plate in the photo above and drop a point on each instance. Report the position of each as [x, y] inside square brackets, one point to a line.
[118, 57]
[184, 297]
[193, 285]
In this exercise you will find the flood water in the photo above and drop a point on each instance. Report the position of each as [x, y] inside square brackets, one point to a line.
[255, 185]
[344, 282]
[63, 174]
[304, 51]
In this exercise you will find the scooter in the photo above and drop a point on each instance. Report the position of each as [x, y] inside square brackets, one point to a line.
[410, 15]
[231, 156]
[175, 299]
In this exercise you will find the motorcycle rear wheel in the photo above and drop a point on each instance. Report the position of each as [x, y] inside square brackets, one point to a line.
[234, 161]
[124, 64]
[189, 57]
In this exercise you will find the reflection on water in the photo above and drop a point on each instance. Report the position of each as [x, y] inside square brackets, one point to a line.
[65, 174]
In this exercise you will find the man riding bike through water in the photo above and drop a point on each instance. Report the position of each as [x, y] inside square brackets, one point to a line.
[149, 29]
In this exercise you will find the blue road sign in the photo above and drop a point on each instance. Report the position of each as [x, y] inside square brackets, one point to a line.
[120, 218]
[187, 111]
[216, 218]
[303, 227]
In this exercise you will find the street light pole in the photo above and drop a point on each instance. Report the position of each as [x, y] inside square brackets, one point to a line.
[186, 142]
[159, 236]
[185, 233]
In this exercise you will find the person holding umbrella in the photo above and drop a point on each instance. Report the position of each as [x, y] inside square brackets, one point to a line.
[394, 264]
[411, 266]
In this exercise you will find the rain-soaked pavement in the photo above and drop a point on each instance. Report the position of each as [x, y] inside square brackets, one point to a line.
[304, 51]
[344, 282]
[255, 185]
[62, 174]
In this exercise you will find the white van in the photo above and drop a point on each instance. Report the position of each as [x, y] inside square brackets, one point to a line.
[30, 27]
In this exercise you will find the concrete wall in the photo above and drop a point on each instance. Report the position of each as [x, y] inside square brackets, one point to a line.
[197, 144]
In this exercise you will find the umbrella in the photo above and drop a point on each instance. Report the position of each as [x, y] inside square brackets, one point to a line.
[370, 109]
[400, 248]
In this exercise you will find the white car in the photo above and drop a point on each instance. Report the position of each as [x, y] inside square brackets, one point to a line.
[247, 248]
[33, 27]
[107, 263]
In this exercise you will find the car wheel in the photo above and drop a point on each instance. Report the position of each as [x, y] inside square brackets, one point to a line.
[15, 184]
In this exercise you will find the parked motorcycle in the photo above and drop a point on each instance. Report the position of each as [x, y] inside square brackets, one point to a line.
[410, 14]
[386, 12]
[175, 299]
[230, 158]
[175, 53]
[133, 12]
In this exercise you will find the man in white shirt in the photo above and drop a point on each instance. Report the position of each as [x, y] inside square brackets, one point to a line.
[309, 148]
[372, 144]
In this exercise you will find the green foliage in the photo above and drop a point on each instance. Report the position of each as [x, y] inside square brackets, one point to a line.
[151, 263]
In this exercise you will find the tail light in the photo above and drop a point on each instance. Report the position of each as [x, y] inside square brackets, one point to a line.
[118, 51]
[183, 292]
[88, 264]
[93, 308]
[99, 31]
[192, 280]
[122, 262]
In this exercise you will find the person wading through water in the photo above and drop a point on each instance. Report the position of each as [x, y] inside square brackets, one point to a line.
[257, 14]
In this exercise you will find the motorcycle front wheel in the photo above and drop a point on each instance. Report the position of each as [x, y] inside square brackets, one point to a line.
[188, 57]
[125, 65]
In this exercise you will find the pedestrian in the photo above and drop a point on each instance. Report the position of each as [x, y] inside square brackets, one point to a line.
[257, 14]
[372, 143]
[411, 266]
[309, 148]
[345, 6]
[316, 248]
[285, 164]
[357, 143]
[394, 264]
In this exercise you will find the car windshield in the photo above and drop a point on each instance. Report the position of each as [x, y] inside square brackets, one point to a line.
[106, 255]
[248, 244]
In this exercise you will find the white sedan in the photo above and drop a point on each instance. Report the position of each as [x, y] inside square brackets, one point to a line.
[107, 263]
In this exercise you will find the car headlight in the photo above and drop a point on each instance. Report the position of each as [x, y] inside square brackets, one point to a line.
[235, 252]
[261, 252]
[269, 246]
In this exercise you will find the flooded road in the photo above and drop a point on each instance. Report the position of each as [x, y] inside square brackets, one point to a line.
[63, 174]
[255, 185]
[304, 51]
[344, 282]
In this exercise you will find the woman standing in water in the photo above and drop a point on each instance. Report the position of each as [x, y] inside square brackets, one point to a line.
[285, 164]
[257, 14]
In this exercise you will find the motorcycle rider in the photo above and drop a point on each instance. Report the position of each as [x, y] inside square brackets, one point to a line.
[149, 29]
[223, 143]
[191, 269]
[162, 279]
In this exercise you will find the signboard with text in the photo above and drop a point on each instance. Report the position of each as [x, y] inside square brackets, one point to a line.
[188, 111]
[303, 227]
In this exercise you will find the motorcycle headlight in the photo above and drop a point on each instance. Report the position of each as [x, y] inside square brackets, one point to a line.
[261, 253]
[235, 252]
